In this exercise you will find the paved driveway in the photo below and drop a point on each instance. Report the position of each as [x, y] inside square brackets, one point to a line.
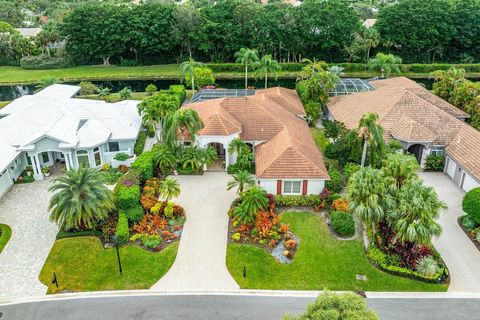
[25, 210]
[458, 252]
[200, 263]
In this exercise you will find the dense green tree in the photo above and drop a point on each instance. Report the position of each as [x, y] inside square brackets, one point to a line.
[80, 199]
[11, 13]
[203, 77]
[421, 30]
[465, 44]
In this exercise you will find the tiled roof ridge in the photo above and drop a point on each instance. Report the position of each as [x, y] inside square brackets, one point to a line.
[226, 120]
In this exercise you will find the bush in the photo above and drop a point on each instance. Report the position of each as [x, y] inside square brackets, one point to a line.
[427, 266]
[349, 169]
[121, 156]
[435, 162]
[140, 143]
[203, 77]
[44, 62]
[297, 201]
[468, 223]
[471, 204]
[128, 197]
[135, 213]
[342, 223]
[144, 163]
[178, 90]
[151, 88]
[335, 182]
[312, 109]
[86, 87]
[152, 241]
[122, 233]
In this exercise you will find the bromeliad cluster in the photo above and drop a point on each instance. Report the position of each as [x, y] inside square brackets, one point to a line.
[253, 220]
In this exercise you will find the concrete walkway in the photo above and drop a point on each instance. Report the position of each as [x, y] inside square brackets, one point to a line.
[457, 250]
[200, 263]
[25, 210]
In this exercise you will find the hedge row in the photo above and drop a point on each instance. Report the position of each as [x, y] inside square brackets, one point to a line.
[121, 232]
[70, 234]
[140, 143]
[297, 201]
[380, 258]
[43, 62]
[342, 223]
[144, 164]
[353, 67]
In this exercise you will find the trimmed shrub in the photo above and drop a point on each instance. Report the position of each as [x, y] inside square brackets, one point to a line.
[140, 143]
[297, 200]
[335, 182]
[43, 62]
[86, 87]
[135, 213]
[151, 88]
[121, 232]
[435, 162]
[471, 204]
[342, 223]
[121, 156]
[128, 197]
[144, 163]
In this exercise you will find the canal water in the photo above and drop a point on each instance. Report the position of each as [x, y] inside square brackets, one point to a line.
[12, 92]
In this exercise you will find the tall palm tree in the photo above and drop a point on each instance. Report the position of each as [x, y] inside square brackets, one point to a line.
[385, 63]
[181, 121]
[367, 195]
[192, 157]
[246, 57]
[169, 189]
[372, 134]
[266, 66]
[155, 109]
[209, 155]
[80, 199]
[188, 67]
[237, 146]
[401, 168]
[241, 180]
[417, 211]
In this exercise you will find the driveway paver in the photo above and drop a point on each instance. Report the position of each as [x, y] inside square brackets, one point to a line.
[25, 209]
[200, 263]
[457, 250]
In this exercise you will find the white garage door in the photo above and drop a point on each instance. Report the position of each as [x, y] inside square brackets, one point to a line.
[469, 183]
[5, 182]
[450, 167]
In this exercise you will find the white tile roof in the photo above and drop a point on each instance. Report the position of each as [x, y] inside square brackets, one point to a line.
[75, 123]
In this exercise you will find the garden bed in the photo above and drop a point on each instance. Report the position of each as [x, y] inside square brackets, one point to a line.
[5, 234]
[469, 234]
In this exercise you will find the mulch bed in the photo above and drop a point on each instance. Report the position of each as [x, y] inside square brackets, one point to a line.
[472, 238]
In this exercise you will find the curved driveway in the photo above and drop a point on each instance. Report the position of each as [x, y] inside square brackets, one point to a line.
[457, 250]
[200, 263]
[25, 209]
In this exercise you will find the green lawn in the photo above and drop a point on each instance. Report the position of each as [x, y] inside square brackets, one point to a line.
[3, 103]
[321, 262]
[6, 234]
[81, 264]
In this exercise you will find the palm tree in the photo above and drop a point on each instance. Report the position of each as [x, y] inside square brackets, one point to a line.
[311, 68]
[125, 93]
[401, 168]
[367, 195]
[165, 159]
[385, 63]
[192, 157]
[241, 179]
[46, 82]
[80, 199]
[209, 155]
[417, 211]
[188, 67]
[371, 38]
[104, 92]
[246, 56]
[267, 65]
[181, 121]
[372, 134]
[251, 202]
[169, 189]
[337, 70]
[155, 109]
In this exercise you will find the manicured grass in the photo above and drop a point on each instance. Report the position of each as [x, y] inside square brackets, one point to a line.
[321, 262]
[115, 97]
[3, 103]
[82, 264]
[6, 234]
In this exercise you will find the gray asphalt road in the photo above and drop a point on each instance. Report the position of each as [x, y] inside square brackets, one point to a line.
[226, 307]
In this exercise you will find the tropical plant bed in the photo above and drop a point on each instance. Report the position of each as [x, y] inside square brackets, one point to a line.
[5, 234]
[25, 177]
[321, 262]
[473, 233]
[82, 264]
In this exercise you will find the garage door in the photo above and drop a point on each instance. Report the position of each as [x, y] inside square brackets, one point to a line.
[450, 167]
[5, 182]
[469, 183]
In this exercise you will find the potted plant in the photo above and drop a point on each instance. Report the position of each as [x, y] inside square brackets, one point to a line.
[29, 170]
[46, 171]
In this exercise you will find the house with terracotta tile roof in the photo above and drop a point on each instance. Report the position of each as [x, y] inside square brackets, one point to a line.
[423, 123]
[271, 122]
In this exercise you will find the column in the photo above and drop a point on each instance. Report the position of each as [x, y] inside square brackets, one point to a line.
[37, 164]
[227, 160]
[67, 160]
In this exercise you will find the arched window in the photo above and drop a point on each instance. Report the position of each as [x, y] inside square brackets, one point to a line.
[96, 155]
[82, 157]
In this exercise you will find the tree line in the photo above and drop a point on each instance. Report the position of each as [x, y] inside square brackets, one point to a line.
[156, 32]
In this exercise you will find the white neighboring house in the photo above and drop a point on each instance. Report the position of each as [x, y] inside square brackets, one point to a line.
[51, 126]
